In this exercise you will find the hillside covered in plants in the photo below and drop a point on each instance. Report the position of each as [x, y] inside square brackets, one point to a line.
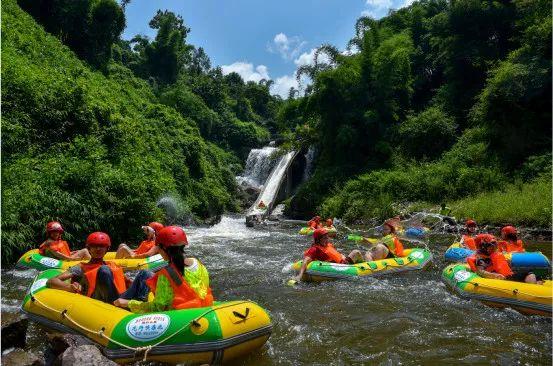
[94, 133]
[440, 102]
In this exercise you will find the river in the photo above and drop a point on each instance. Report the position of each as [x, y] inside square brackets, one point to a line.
[407, 318]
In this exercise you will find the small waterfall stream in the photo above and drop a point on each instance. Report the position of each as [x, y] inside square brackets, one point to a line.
[258, 167]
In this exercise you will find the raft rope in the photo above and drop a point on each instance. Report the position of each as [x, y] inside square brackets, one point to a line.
[145, 349]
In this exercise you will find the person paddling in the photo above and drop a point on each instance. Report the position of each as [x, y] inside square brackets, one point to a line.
[467, 239]
[97, 279]
[510, 242]
[55, 247]
[182, 284]
[146, 248]
[322, 250]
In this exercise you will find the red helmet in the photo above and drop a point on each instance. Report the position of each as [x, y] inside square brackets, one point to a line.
[319, 233]
[54, 226]
[470, 222]
[98, 238]
[509, 230]
[484, 240]
[171, 236]
[157, 226]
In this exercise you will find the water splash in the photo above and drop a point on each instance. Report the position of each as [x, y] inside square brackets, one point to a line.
[176, 211]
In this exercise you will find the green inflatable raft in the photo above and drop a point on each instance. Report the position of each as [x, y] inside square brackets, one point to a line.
[414, 259]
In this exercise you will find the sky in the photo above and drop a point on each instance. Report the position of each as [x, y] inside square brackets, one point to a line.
[265, 39]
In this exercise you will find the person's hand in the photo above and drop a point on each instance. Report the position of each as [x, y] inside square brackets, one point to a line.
[121, 303]
[76, 287]
[499, 276]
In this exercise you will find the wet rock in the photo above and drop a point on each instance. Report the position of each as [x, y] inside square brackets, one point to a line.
[86, 355]
[20, 357]
[14, 332]
[59, 342]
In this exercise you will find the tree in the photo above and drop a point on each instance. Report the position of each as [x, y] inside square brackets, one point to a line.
[168, 53]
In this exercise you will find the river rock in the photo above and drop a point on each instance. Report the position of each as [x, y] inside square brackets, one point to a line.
[86, 355]
[20, 357]
[14, 332]
[59, 342]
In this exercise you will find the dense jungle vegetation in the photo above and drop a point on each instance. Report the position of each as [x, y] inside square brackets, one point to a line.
[96, 129]
[442, 101]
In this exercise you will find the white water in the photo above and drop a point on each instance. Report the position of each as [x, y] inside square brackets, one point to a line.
[309, 156]
[258, 167]
[269, 193]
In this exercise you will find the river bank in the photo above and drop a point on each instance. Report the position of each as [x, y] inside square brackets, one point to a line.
[409, 318]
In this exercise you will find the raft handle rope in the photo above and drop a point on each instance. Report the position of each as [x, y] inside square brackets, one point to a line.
[145, 349]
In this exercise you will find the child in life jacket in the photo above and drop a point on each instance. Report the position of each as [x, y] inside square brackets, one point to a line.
[55, 247]
[146, 248]
[323, 250]
[97, 279]
[510, 242]
[389, 247]
[182, 284]
[467, 240]
[488, 262]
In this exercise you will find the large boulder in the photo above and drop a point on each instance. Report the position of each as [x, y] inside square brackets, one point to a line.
[86, 355]
[59, 342]
[14, 332]
[20, 357]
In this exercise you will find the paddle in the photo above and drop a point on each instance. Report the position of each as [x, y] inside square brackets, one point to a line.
[292, 282]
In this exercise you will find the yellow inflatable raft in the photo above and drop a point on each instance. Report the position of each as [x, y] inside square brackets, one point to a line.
[33, 259]
[210, 335]
[524, 297]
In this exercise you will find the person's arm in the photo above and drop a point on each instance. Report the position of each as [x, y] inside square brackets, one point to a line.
[59, 255]
[161, 302]
[60, 283]
[153, 251]
[306, 261]
[483, 273]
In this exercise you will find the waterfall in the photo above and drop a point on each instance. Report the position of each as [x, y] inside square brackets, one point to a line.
[309, 156]
[258, 167]
[269, 192]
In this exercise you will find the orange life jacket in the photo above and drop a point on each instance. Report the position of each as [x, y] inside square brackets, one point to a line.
[90, 271]
[498, 263]
[511, 246]
[145, 246]
[469, 242]
[332, 253]
[184, 297]
[59, 246]
[394, 245]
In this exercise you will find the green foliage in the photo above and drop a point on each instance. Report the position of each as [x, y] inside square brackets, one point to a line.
[455, 175]
[88, 27]
[385, 119]
[517, 204]
[427, 134]
[92, 151]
